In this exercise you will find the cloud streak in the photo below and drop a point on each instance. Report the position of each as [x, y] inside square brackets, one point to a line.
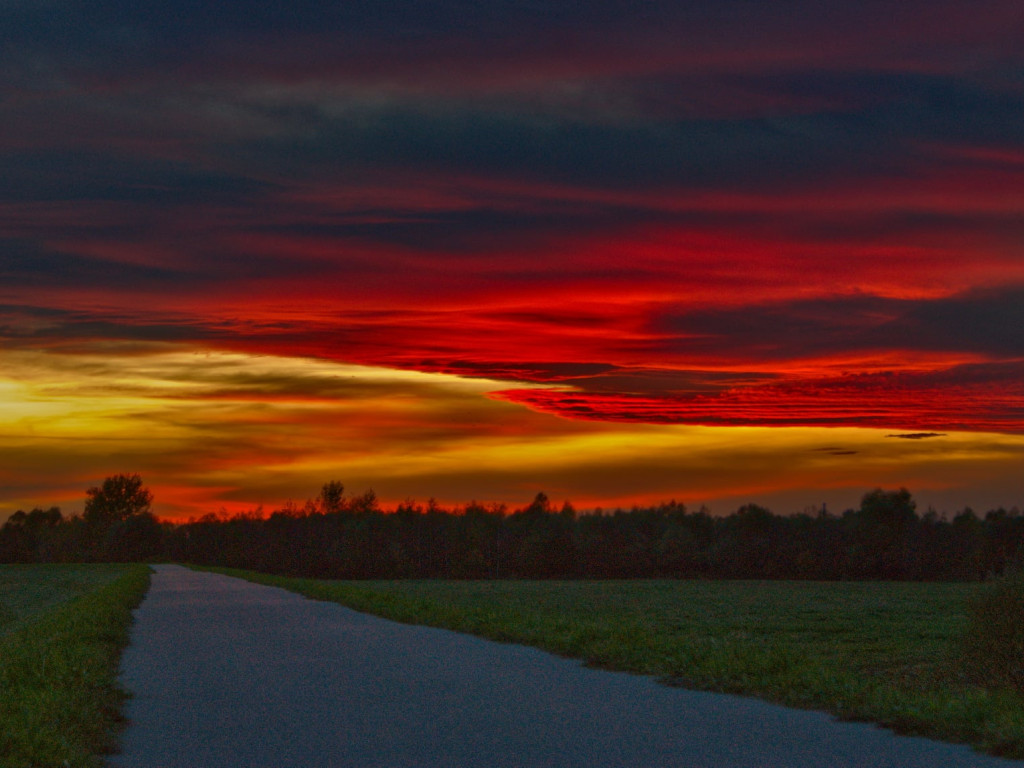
[906, 401]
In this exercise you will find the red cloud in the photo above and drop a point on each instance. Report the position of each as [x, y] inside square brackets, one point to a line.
[919, 402]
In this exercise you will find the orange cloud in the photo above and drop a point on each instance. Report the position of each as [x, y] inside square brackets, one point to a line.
[211, 430]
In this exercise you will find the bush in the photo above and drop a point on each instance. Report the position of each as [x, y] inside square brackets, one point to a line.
[992, 647]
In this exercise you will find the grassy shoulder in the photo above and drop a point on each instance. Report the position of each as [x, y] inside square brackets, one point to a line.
[881, 652]
[62, 629]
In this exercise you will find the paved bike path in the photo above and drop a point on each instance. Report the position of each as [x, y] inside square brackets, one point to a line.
[227, 673]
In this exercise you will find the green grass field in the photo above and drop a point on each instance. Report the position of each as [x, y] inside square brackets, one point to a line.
[62, 629]
[882, 652]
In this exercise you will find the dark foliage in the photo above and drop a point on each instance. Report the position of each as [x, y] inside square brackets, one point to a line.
[334, 536]
[27, 536]
[116, 500]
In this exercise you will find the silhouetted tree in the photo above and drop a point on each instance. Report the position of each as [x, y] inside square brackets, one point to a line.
[882, 535]
[27, 536]
[118, 498]
[332, 497]
[334, 536]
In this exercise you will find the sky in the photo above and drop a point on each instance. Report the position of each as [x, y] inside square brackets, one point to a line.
[619, 253]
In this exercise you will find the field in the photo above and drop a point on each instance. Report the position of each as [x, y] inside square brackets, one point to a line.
[26, 591]
[62, 628]
[882, 652]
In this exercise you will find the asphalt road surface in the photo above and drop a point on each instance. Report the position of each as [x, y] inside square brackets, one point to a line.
[227, 673]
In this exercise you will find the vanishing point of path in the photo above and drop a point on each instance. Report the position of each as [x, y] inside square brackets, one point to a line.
[226, 674]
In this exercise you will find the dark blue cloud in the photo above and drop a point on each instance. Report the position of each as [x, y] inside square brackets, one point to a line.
[989, 323]
[33, 326]
[806, 130]
[62, 174]
[30, 266]
[695, 101]
[78, 37]
[192, 266]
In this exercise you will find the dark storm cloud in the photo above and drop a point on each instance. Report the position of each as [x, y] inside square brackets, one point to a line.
[520, 224]
[983, 397]
[160, 81]
[112, 30]
[73, 29]
[807, 130]
[711, 154]
[469, 231]
[31, 266]
[80, 265]
[26, 326]
[989, 322]
[60, 174]
[983, 322]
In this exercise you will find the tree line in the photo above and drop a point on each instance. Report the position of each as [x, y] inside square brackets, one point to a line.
[352, 537]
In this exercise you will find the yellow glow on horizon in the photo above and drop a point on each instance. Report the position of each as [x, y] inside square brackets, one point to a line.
[228, 429]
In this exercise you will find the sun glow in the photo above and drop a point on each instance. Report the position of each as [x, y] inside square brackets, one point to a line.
[235, 431]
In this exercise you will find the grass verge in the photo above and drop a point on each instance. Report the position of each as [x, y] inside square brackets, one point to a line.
[992, 649]
[62, 629]
[880, 652]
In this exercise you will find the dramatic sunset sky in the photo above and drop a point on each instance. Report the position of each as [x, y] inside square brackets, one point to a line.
[617, 252]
